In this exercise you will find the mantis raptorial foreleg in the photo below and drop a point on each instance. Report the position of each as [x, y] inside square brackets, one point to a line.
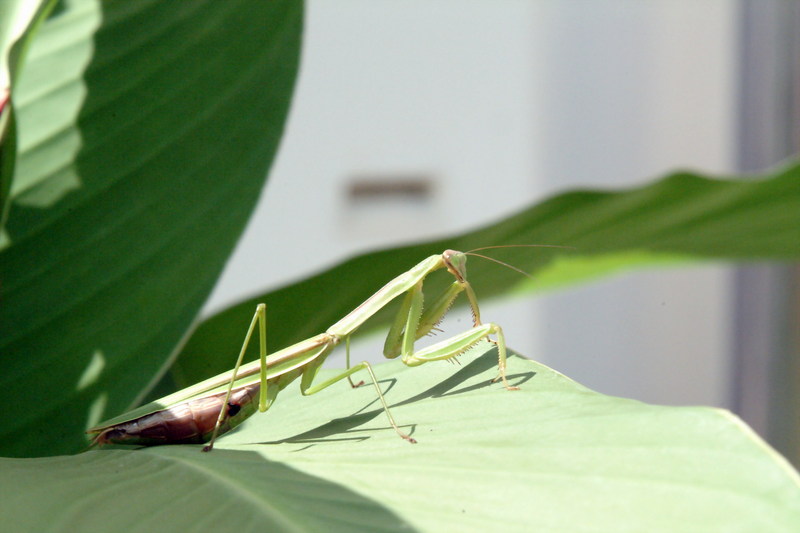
[455, 345]
[202, 411]
[413, 324]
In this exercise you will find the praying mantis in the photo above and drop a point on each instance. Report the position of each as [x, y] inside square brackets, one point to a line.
[208, 409]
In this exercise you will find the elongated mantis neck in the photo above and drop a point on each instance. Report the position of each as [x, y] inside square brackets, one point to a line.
[398, 286]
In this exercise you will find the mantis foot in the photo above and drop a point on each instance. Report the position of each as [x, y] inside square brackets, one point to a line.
[505, 382]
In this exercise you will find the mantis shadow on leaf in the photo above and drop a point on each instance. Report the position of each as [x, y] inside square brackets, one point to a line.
[348, 424]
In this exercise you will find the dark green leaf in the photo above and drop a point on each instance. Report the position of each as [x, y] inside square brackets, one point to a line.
[145, 132]
[683, 217]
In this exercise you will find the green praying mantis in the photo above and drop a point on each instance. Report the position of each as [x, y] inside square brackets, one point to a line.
[208, 409]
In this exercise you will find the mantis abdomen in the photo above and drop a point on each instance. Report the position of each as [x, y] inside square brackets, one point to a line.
[190, 422]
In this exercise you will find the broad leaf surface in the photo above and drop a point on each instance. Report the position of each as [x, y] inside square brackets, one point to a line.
[677, 219]
[145, 131]
[553, 456]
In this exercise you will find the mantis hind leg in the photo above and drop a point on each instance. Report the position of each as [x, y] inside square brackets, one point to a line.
[260, 320]
[307, 389]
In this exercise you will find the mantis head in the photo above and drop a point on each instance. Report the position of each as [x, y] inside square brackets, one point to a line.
[456, 263]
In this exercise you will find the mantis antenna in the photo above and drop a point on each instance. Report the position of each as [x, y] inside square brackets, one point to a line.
[512, 267]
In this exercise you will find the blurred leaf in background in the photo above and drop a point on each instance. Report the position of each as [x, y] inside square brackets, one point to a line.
[682, 218]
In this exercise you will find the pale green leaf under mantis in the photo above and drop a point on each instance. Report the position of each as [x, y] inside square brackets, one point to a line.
[553, 456]
[145, 131]
[681, 218]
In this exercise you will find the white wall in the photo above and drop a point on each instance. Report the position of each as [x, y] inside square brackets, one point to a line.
[632, 90]
[540, 97]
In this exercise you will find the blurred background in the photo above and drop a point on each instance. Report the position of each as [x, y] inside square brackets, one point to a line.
[404, 108]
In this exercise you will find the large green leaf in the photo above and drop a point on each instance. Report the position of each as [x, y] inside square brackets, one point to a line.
[677, 219]
[145, 132]
[553, 456]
